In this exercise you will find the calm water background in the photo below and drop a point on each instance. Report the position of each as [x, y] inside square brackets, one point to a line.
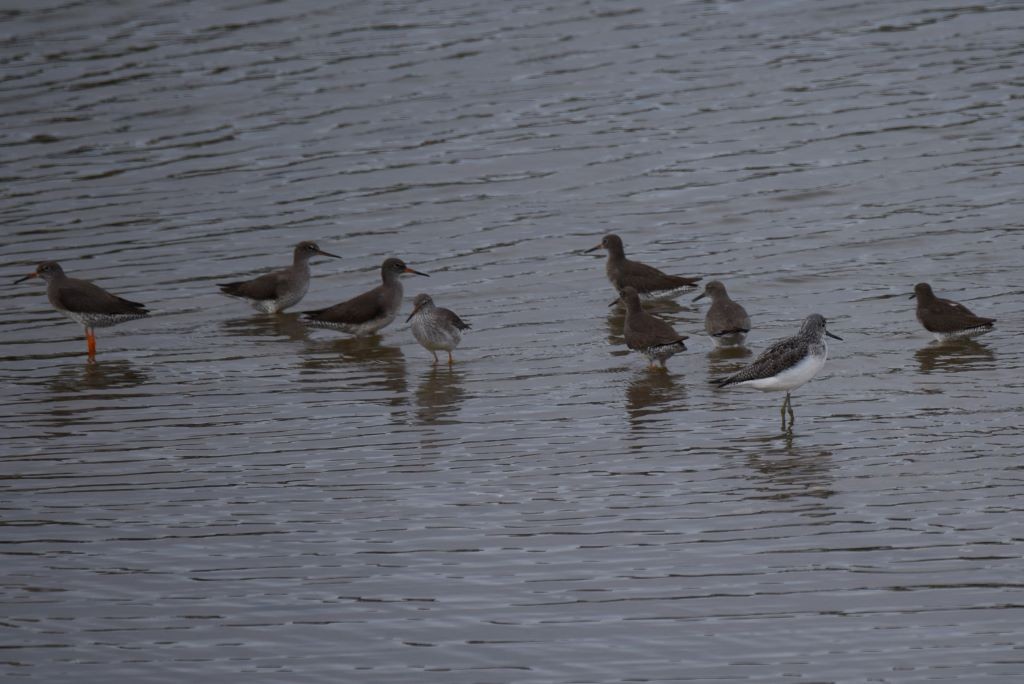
[233, 498]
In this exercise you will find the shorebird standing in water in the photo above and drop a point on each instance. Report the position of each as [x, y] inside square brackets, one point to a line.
[367, 313]
[726, 321]
[649, 282]
[277, 290]
[945, 318]
[651, 336]
[787, 364]
[84, 302]
[435, 327]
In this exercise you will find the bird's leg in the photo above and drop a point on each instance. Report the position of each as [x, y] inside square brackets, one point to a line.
[90, 338]
[435, 356]
[787, 404]
[450, 359]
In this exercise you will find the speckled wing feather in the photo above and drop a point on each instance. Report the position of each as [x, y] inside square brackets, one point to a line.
[449, 316]
[359, 309]
[269, 286]
[781, 355]
[81, 296]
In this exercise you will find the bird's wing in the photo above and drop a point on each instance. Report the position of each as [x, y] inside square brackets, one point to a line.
[664, 334]
[783, 354]
[954, 315]
[730, 331]
[655, 332]
[950, 305]
[359, 309]
[734, 312]
[646, 278]
[81, 296]
[265, 287]
[451, 317]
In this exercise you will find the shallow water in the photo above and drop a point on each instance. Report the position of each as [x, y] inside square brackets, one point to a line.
[233, 497]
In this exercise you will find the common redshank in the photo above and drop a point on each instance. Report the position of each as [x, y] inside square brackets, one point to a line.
[945, 318]
[787, 364]
[649, 282]
[435, 327]
[651, 336]
[84, 302]
[277, 290]
[726, 322]
[367, 313]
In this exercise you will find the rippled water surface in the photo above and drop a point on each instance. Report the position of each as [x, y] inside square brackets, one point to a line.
[231, 497]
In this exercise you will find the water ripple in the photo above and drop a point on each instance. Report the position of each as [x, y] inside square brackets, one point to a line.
[227, 495]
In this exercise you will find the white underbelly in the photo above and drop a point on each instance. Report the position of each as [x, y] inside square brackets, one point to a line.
[435, 338]
[271, 306]
[791, 378]
[267, 306]
[961, 334]
[99, 320]
[666, 294]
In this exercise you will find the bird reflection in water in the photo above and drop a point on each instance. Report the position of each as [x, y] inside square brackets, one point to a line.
[616, 322]
[954, 355]
[276, 325]
[95, 395]
[651, 394]
[99, 375]
[785, 471]
[439, 394]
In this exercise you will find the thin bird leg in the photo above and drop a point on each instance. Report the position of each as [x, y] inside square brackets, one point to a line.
[435, 356]
[783, 412]
[792, 416]
[450, 359]
[90, 338]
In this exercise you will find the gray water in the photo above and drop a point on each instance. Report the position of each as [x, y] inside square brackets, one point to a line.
[231, 497]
